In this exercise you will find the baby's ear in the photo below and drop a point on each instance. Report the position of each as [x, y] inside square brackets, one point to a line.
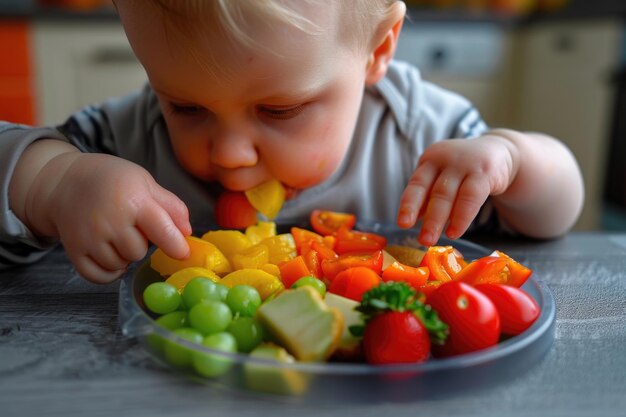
[386, 42]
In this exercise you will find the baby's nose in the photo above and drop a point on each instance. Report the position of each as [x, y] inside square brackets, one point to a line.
[233, 148]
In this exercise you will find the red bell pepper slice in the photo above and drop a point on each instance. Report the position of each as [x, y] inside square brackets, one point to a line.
[292, 270]
[497, 268]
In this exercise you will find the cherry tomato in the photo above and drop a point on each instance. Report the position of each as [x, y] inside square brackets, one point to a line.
[326, 222]
[395, 337]
[444, 262]
[472, 318]
[354, 282]
[234, 211]
[517, 309]
[372, 260]
[355, 241]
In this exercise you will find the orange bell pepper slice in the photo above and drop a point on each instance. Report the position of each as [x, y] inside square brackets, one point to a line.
[398, 272]
[444, 262]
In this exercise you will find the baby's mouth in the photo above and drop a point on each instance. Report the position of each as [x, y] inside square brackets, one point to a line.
[291, 192]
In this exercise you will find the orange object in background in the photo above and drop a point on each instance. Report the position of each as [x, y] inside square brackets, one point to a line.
[79, 5]
[16, 90]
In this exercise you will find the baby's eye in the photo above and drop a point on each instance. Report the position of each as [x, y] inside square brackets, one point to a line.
[281, 113]
[186, 109]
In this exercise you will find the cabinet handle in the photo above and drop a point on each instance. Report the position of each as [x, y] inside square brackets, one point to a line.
[113, 55]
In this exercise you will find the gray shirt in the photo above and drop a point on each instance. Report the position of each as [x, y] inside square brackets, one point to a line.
[399, 117]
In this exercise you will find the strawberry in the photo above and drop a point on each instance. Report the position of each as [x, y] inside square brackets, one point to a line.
[399, 327]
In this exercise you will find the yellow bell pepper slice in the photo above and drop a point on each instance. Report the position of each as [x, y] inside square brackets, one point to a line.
[265, 283]
[252, 257]
[229, 242]
[267, 198]
[260, 231]
[281, 248]
[180, 278]
[202, 253]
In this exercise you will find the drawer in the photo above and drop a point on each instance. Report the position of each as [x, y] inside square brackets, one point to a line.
[458, 49]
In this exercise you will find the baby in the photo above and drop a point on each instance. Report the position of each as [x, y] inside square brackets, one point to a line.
[244, 91]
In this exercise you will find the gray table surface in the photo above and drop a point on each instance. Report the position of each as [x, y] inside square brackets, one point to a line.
[62, 353]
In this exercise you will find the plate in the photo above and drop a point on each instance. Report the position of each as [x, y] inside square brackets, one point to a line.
[357, 382]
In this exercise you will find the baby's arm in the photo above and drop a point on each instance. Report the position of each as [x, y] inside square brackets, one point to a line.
[534, 181]
[104, 209]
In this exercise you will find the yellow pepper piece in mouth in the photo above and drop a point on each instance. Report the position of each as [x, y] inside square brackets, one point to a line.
[267, 198]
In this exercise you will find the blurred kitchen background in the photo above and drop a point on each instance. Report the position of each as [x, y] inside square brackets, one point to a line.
[555, 66]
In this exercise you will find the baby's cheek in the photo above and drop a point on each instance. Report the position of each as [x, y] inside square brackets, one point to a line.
[314, 170]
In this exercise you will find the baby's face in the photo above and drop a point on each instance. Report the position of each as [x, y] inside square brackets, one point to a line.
[287, 112]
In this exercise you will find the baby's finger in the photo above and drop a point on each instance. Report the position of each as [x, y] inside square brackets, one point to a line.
[472, 194]
[107, 257]
[93, 272]
[177, 210]
[439, 207]
[157, 225]
[132, 245]
[415, 194]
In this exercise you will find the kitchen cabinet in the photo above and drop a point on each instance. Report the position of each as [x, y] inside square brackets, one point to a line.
[470, 58]
[80, 63]
[563, 88]
[16, 73]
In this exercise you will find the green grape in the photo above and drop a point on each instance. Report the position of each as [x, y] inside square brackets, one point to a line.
[161, 297]
[177, 354]
[247, 332]
[222, 290]
[171, 321]
[199, 289]
[211, 365]
[243, 300]
[311, 281]
[210, 317]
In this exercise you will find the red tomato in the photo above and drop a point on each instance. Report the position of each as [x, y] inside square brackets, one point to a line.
[472, 318]
[398, 272]
[444, 262]
[354, 282]
[234, 211]
[303, 238]
[517, 309]
[373, 260]
[355, 241]
[497, 268]
[326, 222]
[395, 337]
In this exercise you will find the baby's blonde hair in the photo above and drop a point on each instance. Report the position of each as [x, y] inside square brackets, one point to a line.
[190, 18]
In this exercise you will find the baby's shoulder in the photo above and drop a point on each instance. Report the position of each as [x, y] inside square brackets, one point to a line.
[413, 100]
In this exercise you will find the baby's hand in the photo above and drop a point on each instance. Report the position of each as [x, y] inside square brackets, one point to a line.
[104, 210]
[452, 181]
